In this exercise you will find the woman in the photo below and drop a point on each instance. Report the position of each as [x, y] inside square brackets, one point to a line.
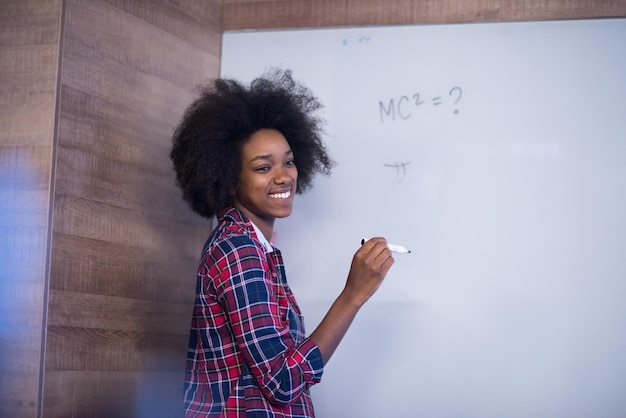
[242, 153]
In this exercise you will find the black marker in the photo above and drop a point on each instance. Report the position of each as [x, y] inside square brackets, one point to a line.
[393, 248]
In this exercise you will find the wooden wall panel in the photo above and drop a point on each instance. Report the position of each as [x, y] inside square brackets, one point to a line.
[125, 246]
[29, 55]
[274, 14]
[90, 394]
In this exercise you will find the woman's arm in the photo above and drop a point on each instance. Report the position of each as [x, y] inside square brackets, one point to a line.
[370, 265]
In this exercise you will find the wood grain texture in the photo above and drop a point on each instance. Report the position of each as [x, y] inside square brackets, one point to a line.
[20, 343]
[196, 22]
[275, 14]
[117, 313]
[148, 275]
[29, 54]
[104, 393]
[124, 244]
[89, 349]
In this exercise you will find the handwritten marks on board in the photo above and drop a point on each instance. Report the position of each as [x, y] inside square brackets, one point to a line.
[404, 107]
[400, 170]
[363, 39]
[407, 106]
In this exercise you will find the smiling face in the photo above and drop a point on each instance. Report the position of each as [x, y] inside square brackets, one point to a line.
[267, 183]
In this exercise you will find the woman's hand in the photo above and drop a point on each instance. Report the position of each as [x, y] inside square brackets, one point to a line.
[370, 265]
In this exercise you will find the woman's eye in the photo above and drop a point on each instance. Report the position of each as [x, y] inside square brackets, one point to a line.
[263, 168]
[290, 163]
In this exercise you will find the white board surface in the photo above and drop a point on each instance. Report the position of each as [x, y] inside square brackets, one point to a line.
[497, 153]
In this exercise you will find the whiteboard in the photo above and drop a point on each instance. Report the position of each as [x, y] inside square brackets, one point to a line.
[496, 152]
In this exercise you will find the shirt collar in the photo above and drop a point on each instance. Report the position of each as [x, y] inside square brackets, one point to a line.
[261, 238]
[236, 216]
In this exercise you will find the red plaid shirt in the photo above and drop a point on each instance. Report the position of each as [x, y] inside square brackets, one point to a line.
[248, 355]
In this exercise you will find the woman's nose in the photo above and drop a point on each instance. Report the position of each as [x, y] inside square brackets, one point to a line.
[282, 175]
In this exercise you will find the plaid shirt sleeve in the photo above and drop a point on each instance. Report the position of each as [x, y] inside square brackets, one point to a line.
[256, 303]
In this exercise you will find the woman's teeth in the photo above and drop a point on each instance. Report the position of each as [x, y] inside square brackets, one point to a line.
[284, 195]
